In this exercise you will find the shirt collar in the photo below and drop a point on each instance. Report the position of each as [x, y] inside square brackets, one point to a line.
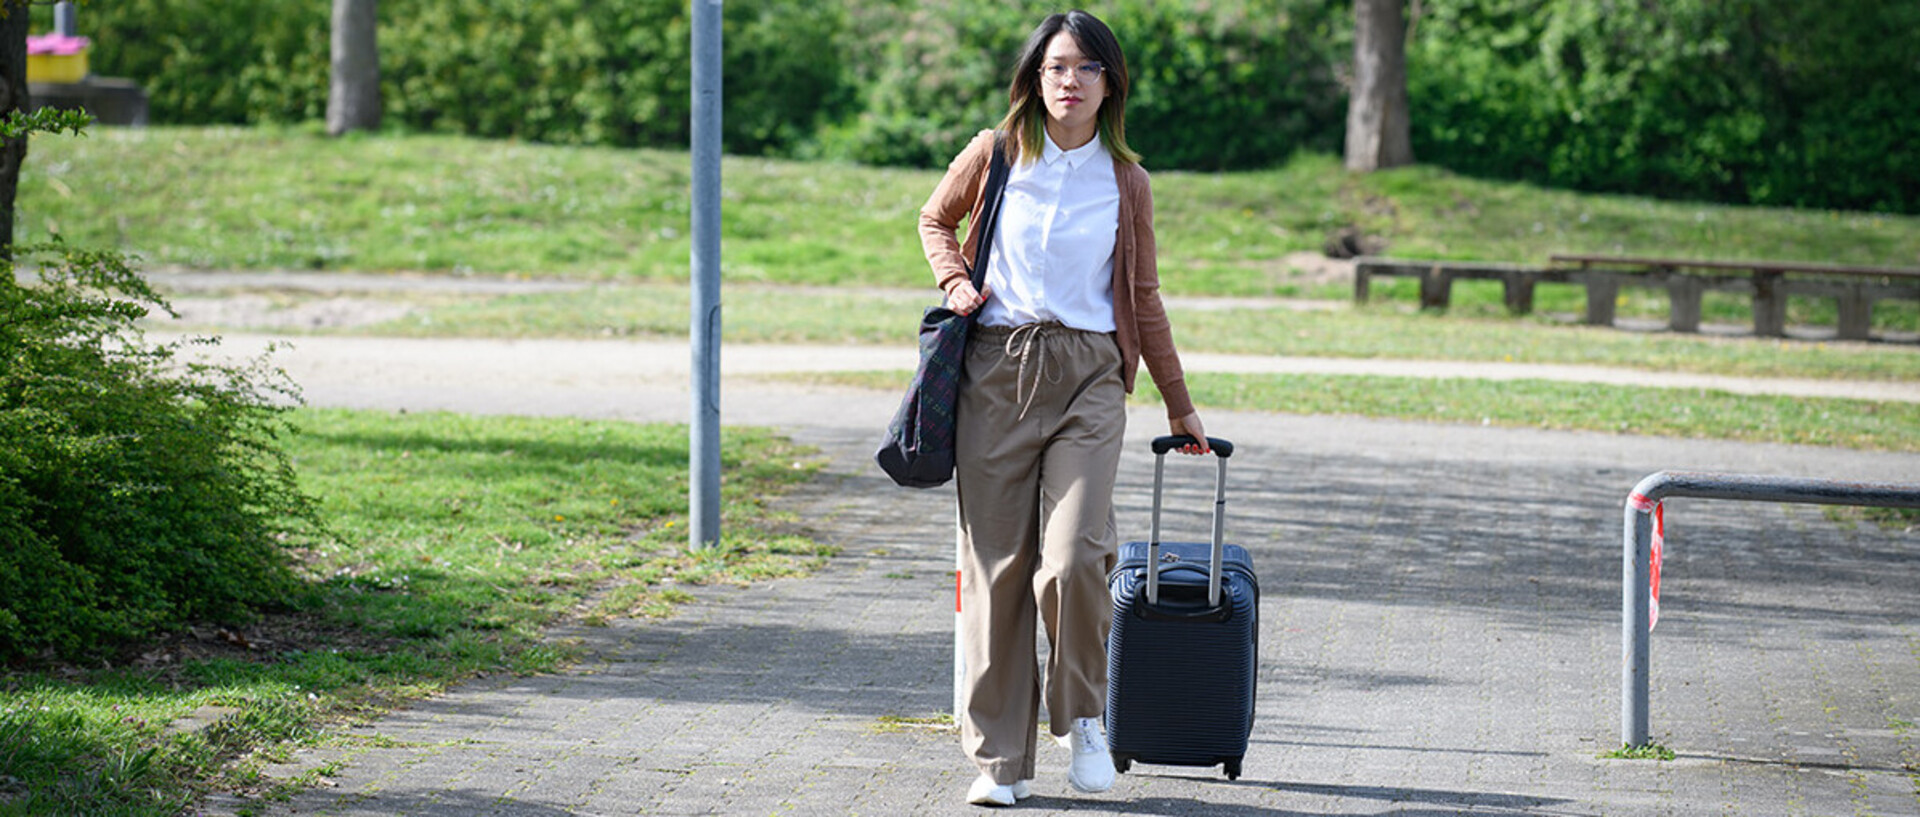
[1076, 157]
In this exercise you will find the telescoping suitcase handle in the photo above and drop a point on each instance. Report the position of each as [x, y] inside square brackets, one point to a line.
[1162, 445]
[1222, 449]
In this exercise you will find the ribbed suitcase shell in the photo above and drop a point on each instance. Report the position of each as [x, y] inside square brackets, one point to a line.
[1180, 691]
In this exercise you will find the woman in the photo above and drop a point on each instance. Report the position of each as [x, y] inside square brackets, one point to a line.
[1069, 307]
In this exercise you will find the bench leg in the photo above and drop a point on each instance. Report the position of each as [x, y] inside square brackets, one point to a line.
[1683, 296]
[1602, 292]
[1436, 289]
[1769, 305]
[1360, 283]
[1856, 314]
[1519, 292]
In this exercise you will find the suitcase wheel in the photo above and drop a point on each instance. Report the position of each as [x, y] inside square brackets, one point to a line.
[1233, 770]
[1122, 764]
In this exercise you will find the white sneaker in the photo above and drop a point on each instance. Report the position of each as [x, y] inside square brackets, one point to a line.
[1092, 768]
[1022, 789]
[985, 792]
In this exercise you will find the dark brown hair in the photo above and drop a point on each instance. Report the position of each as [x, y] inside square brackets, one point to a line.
[1026, 118]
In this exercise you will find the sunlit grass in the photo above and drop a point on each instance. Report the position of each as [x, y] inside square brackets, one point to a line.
[291, 198]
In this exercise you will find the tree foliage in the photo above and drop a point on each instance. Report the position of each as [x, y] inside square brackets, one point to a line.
[1215, 85]
[566, 71]
[1747, 101]
[1750, 101]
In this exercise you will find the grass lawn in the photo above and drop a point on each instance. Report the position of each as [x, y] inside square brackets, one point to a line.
[807, 243]
[291, 198]
[851, 316]
[457, 541]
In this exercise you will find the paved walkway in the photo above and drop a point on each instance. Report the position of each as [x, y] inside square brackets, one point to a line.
[651, 377]
[220, 298]
[1439, 635]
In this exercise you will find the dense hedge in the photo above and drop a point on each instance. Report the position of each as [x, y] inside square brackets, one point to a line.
[563, 71]
[1216, 85]
[212, 61]
[885, 81]
[1750, 101]
[1778, 102]
[138, 492]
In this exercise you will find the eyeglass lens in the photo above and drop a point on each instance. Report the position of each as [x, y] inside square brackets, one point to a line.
[1088, 73]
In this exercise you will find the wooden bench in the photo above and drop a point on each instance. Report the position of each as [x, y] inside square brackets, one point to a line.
[1437, 277]
[1685, 281]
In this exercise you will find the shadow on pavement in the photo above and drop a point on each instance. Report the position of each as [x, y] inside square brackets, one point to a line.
[1405, 802]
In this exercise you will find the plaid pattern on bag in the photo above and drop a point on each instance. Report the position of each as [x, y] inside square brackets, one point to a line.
[918, 452]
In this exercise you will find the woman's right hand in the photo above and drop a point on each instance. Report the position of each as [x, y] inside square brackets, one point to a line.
[963, 298]
[1190, 426]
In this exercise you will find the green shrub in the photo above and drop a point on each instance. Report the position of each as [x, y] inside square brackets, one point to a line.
[1773, 102]
[139, 490]
[1216, 85]
[1233, 85]
[567, 71]
[213, 61]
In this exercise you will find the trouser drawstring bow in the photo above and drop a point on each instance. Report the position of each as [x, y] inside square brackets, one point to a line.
[1026, 336]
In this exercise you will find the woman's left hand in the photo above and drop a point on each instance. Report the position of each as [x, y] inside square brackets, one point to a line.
[1190, 426]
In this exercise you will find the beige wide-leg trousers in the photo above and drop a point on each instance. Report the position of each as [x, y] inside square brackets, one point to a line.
[1037, 453]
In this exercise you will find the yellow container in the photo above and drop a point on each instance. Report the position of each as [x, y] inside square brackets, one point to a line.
[57, 67]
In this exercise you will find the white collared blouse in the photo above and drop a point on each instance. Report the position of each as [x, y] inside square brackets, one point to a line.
[1140, 322]
[1052, 256]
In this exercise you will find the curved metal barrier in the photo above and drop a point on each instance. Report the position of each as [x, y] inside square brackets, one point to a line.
[1636, 567]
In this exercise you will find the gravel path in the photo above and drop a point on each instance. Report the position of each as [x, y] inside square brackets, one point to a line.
[245, 300]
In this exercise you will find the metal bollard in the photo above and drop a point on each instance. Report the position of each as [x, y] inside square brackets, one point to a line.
[1635, 592]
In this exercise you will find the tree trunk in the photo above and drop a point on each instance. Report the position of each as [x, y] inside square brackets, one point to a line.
[13, 97]
[1377, 124]
[353, 97]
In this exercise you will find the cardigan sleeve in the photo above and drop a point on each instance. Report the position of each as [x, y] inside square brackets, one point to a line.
[956, 197]
[1150, 315]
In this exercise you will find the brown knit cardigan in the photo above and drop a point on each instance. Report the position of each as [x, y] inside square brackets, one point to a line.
[1140, 321]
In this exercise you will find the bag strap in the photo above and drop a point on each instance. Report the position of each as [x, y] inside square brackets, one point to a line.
[997, 172]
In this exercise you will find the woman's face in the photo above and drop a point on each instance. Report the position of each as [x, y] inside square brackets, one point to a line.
[1072, 84]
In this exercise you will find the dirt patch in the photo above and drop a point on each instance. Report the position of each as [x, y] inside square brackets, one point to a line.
[269, 639]
[1317, 268]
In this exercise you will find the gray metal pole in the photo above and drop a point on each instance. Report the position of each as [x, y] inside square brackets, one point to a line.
[703, 513]
[1635, 606]
[63, 19]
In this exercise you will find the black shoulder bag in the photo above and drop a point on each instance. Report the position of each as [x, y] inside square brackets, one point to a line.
[918, 450]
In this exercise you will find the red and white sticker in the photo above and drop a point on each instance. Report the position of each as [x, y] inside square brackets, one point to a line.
[1659, 545]
[1641, 503]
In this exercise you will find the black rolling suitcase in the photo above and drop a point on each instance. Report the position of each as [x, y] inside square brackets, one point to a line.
[1184, 647]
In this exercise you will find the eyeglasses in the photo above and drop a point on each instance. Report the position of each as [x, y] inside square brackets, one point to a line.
[1088, 72]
